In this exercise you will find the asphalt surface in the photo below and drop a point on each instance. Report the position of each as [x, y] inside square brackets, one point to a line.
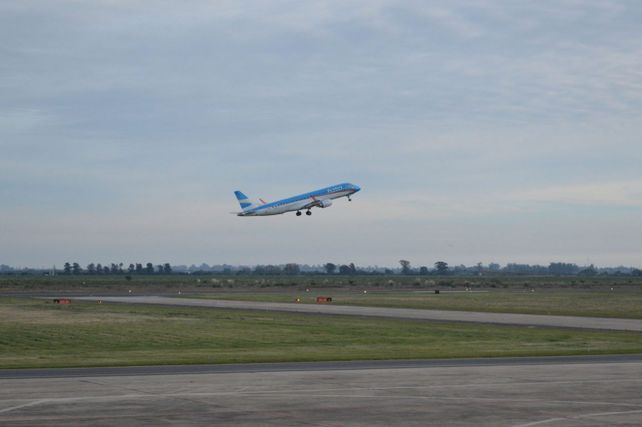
[398, 313]
[311, 366]
[573, 391]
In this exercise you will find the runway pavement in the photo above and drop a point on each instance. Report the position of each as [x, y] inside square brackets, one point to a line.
[399, 313]
[573, 391]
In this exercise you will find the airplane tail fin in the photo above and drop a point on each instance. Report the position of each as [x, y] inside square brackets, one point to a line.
[244, 201]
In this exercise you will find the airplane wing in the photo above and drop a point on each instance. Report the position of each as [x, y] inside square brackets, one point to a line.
[314, 202]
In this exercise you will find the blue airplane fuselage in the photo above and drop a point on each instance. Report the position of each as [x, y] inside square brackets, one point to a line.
[321, 198]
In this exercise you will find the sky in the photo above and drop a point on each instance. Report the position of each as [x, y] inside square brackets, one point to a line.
[479, 131]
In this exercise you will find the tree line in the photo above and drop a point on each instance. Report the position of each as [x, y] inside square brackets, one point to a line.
[120, 268]
[439, 268]
[332, 268]
[511, 269]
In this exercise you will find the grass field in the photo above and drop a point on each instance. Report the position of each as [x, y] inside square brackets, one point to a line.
[620, 303]
[602, 296]
[119, 283]
[35, 333]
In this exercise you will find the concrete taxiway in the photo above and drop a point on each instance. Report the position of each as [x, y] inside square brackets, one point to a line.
[398, 313]
[497, 392]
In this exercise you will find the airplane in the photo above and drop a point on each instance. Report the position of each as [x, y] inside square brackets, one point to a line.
[320, 198]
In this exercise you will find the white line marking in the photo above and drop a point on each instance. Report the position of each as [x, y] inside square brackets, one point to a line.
[313, 393]
[535, 423]
[574, 417]
[604, 414]
[32, 403]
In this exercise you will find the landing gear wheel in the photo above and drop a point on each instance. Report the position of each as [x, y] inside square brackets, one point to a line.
[349, 199]
[298, 213]
[308, 213]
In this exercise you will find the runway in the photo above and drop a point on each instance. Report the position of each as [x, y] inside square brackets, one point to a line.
[398, 313]
[571, 391]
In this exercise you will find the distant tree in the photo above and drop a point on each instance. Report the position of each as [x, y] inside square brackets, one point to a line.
[348, 269]
[291, 268]
[106, 269]
[405, 266]
[423, 270]
[479, 267]
[149, 268]
[588, 271]
[494, 266]
[243, 271]
[513, 268]
[4, 268]
[262, 270]
[120, 268]
[159, 269]
[131, 268]
[91, 268]
[167, 269]
[562, 269]
[388, 271]
[441, 267]
[273, 269]
[75, 268]
[99, 268]
[330, 268]
[636, 272]
[66, 269]
[344, 269]
[353, 268]
[139, 268]
[113, 269]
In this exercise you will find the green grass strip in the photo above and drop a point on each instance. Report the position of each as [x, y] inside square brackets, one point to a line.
[40, 334]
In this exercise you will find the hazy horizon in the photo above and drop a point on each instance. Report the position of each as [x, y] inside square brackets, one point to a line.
[483, 131]
[366, 267]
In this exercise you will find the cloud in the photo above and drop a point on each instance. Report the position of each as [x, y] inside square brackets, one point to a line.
[612, 194]
[481, 112]
[19, 120]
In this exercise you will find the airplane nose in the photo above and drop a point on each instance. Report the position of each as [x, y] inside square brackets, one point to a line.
[356, 188]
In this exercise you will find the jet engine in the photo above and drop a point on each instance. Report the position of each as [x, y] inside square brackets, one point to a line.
[325, 203]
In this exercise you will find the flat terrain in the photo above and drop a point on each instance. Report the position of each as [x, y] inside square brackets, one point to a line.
[37, 333]
[602, 296]
[622, 303]
[514, 319]
[203, 283]
[545, 394]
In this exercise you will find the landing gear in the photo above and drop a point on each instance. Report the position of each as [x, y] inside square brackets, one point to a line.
[308, 213]
[298, 213]
[349, 199]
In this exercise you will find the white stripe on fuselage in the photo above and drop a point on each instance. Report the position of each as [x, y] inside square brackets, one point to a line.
[296, 205]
